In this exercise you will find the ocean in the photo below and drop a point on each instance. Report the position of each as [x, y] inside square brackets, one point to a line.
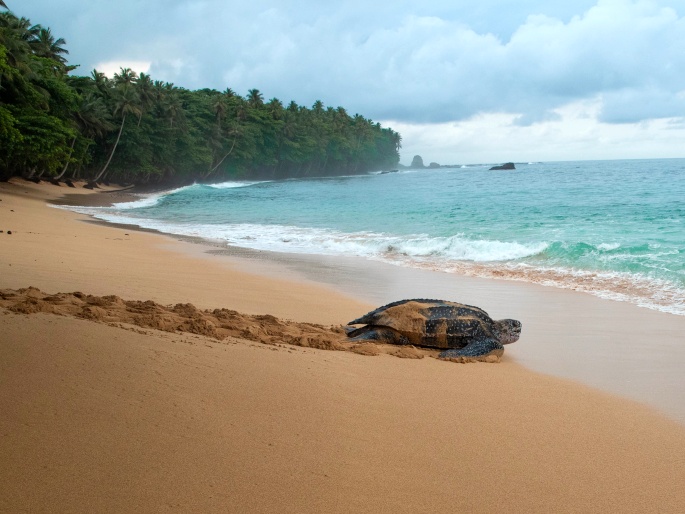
[614, 229]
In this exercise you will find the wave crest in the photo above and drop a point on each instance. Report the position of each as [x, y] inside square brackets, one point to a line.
[234, 184]
[557, 264]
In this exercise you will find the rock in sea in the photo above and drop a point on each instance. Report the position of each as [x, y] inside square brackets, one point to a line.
[505, 166]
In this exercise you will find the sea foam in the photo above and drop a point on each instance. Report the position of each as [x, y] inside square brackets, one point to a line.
[454, 254]
[153, 199]
[612, 229]
[235, 184]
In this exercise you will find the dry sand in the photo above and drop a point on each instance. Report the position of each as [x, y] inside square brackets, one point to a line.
[108, 415]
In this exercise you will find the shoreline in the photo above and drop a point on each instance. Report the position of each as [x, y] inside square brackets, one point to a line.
[644, 290]
[101, 416]
[594, 354]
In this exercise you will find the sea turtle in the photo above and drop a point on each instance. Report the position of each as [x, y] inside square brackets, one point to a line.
[461, 330]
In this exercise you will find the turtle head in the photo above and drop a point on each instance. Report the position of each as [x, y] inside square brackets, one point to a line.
[509, 330]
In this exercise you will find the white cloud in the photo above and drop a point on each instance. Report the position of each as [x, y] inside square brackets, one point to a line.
[439, 65]
[575, 135]
[429, 69]
[109, 68]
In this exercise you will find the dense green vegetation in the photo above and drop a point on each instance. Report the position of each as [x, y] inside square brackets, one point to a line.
[132, 128]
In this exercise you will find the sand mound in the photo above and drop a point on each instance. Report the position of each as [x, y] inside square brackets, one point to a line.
[218, 324]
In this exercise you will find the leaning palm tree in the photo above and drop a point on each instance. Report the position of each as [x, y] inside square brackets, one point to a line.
[127, 102]
[226, 128]
[235, 133]
[92, 120]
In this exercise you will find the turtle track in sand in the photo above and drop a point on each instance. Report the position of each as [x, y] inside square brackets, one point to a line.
[218, 324]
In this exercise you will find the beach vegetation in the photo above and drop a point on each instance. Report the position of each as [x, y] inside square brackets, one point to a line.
[56, 124]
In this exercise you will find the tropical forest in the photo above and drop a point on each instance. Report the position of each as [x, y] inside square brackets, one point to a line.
[58, 125]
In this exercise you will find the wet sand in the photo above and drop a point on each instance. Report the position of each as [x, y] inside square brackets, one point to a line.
[617, 347]
[116, 416]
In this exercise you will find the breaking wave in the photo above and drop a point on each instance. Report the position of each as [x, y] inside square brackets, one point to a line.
[234, 184]
[607, 228]
[548, 264]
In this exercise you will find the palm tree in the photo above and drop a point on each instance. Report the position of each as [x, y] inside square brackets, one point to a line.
[362, 131]
[146, 94]
[92, 120]
[318, 107]
[15, 35]
[396, 139]
[2, 4]
[44, 44]
[101, 81]
[168, 101]
[21, 26]
[220, 107]
[126, 102]
[235, 132]
[126, 77]
[255, 98]
[275, 107]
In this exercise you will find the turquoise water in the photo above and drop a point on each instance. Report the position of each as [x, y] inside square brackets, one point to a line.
[615, 229]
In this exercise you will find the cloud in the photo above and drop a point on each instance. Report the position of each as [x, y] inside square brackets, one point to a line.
[112, 67]
[432, 69]
[518, 64]
[433, 63]
[631, 105]
[575, 135]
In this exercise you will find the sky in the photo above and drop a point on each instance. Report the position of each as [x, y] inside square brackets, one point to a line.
[463, 81]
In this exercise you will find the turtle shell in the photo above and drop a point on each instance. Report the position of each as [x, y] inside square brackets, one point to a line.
[435, 323]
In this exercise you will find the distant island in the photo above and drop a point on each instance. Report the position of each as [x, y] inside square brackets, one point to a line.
[134, 129]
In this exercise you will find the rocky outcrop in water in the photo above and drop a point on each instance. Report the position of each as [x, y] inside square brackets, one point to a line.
[417, 162]
[505, 166]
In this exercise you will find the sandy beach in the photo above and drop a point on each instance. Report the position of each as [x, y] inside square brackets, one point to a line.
[102, 412]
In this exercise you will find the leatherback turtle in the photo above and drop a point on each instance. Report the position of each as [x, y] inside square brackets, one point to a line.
[461, 330]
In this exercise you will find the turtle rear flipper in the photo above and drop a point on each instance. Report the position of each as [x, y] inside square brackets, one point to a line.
[475, 348]
[378, 334]
[350, 330]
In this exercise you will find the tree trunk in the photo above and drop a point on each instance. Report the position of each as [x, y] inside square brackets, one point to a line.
[71, 149]
[116, 143]
[222, 160]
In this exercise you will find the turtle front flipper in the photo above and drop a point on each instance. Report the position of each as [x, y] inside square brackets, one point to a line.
[476, 349]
